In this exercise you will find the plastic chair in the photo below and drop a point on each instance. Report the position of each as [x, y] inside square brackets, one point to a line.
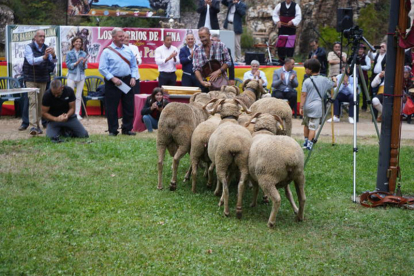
[92, 84]
[10, 83]
[63, 80]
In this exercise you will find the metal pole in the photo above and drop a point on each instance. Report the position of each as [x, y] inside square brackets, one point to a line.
[385, 139]
[355, 128]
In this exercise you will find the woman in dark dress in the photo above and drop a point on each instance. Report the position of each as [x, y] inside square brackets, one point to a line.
[153, 108]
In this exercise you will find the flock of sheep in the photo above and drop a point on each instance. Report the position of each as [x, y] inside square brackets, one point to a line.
[218, 129]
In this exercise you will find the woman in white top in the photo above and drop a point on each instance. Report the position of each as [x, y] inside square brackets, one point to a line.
[76, 61]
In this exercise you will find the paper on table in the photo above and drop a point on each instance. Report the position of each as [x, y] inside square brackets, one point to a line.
[124, 88]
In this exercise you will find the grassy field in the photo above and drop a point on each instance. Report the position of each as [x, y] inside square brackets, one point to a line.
[93, 208]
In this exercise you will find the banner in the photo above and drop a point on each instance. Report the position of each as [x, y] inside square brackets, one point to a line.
[122, 8]
[20, 36]
[96, 39]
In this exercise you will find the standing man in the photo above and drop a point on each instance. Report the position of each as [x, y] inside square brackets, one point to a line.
[285, 80]
[137, 55]
[38, 58]
[319, 53]
[167, 60]
[335, 58]
[365, 62]
[186, 59]
[58, 107]
[379, 65]
[286, 16]
[208, 10]
[233, 22]
[119, 66]
[209, 50]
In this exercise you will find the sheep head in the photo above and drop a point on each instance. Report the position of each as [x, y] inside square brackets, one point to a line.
[266, 121]
[200, 97]
[255, 86]
[227, 108]
[230, 89]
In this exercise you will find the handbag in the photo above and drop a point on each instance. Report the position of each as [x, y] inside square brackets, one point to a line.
[219, 82]
[409, 107]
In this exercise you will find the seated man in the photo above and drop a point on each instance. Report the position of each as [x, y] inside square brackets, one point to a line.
[284, 81]
[345, 95]
[58, 107]
[255, 73]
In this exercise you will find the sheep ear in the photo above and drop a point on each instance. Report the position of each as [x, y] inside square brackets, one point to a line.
[246, 109]
[194, 96]
[278, 120]
[244, 84]
[257, 114]
[223, 88]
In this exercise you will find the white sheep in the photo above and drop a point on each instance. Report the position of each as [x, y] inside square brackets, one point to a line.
[176, 125]
[229, 146]
[274, 162]
[275, 107]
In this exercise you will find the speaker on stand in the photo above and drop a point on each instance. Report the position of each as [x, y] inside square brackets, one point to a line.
[344, 19]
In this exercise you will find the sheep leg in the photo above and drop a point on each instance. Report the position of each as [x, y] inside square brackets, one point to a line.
[161, 155]
[194, 165]
[300, 190]
[178, 155]
[221, 175]
[240, 191]
[275, 197]
[255, 192]
[205, 174]
[289, 196]
[210, 179]
[187, 174]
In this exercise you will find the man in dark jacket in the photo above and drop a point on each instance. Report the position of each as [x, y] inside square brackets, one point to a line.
[186, 59]
[208, 10]
[233, 22]
[319, 53]
[38, 58]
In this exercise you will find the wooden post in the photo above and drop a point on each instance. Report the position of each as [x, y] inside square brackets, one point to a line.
[396, 113]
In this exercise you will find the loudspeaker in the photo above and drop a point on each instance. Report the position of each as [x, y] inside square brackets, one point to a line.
[344, 19]
[249, 56]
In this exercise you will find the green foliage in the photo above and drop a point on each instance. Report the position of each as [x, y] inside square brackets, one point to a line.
[93, 209]
[373, 19]
[246, 40]
[330, 35]
[188, 5]
[129, 22]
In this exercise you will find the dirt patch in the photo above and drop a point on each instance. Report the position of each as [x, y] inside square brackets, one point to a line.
[343, 131]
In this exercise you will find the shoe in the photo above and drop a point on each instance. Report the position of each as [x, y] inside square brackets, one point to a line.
[305, 144]
[335, 119]
[379, 119]
[310, 145]
[33, 131]
[351, 120]
[79, 117]
[130, 133]
[113, 134]
[23, 127]
[39, 131]
[57, 140]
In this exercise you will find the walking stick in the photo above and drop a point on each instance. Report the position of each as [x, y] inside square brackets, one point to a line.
[332, 115]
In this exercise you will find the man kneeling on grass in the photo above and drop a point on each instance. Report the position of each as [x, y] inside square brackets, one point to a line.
[58, 107]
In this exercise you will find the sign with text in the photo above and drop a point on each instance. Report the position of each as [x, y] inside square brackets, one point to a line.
[122, 8]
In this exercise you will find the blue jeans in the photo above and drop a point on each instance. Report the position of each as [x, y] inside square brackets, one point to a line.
[150, 122]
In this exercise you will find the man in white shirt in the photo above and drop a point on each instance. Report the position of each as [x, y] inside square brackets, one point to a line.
[286, 16]
[379, 64]
[255, 73]
[166, 58]
[136, 89]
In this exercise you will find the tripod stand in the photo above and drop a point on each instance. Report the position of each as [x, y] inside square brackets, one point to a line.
[355, 67]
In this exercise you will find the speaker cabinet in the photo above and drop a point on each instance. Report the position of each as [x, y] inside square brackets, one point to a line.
[249, 56]
[344, 19]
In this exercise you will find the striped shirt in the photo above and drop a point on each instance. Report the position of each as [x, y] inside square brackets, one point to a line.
[218, 51]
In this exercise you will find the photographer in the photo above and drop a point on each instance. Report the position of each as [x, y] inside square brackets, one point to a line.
[153, 108]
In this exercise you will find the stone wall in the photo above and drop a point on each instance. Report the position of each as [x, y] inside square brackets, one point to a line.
[315, 14]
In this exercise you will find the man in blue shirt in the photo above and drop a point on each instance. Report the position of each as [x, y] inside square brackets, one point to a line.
[38, 59]
[119, 66]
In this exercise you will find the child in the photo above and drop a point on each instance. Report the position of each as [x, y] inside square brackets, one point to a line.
[313, 90]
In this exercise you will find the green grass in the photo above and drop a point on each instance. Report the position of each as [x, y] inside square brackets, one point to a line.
[78, 208]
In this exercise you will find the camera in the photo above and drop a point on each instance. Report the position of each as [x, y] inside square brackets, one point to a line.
[353, 32]
[159, 104]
